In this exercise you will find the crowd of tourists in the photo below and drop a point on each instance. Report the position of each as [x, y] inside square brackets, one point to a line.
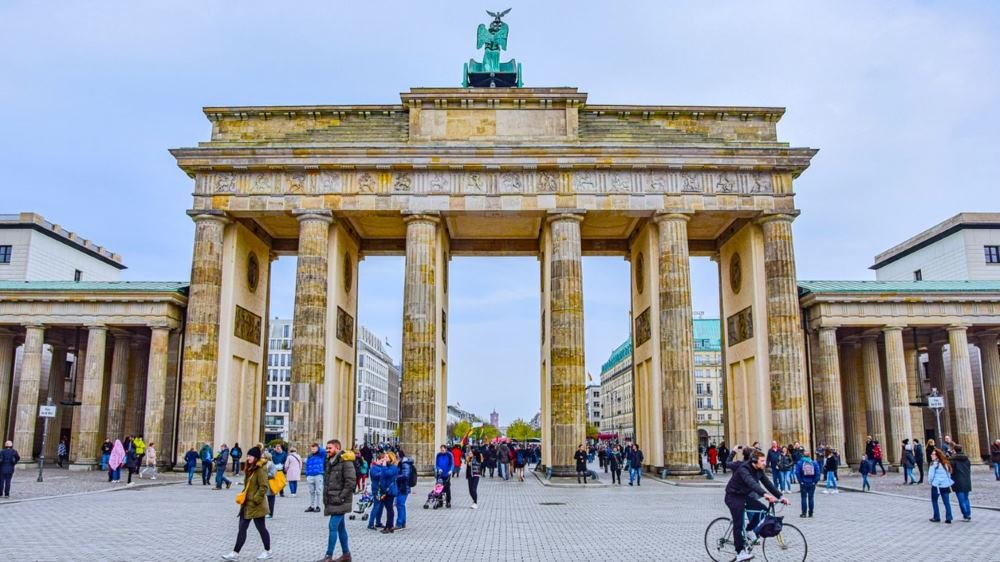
[131, 454]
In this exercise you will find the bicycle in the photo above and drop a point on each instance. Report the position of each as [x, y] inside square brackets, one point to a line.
[789, 545]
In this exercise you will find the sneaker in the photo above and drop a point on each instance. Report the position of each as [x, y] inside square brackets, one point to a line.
[229, 485]
[826, 491]
[745, 555]
[264, 555]
[474, 506]
[293, 495]
[231, 556]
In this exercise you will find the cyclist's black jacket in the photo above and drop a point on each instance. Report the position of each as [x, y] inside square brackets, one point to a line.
[746, 482]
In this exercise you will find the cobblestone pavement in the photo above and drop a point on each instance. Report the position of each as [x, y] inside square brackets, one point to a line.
[59, 481]
[985, 488]
[515, 521]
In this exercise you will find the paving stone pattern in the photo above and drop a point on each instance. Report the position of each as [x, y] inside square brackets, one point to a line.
[515, 521]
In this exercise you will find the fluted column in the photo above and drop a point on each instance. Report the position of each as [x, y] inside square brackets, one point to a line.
[27, 395]
[831, 430]
[85, 438]
[900, 426]
[935, 360]
[967, 432]
[56, 386]
[305, 421]
[7, 348]
[201, 335]
[680, 424]
[854, 402]
[914, 390]
[420, 319]
[991, 383]
[156, 387]
[569, 406]
[875, 412]
[117, 388]
[789, 404]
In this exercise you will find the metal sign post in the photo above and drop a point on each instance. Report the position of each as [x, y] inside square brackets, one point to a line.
[936, 402]
[48, 411]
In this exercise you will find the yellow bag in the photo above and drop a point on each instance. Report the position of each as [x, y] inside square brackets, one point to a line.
[241, 497]
[278, 483]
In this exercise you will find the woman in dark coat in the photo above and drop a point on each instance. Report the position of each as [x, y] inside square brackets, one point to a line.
[614, 461]
[961, 473]
[254, 506]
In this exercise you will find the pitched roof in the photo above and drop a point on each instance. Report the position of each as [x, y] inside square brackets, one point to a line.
[98, 286]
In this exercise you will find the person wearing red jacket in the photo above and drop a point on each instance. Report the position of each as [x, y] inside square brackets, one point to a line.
[456, 453]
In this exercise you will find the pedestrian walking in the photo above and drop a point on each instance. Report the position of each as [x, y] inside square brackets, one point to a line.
[615, 462]
[635, 458]
[877, 457]
[865, 468]
[131, 463]
[293, 470]
[8, 459]
[724, 457]
[340, 482]
[602, 456]
[236, 453]
[830, 468]
[115, 461]
[909, 461]
[362, 471]
[253, 507]
[503, 460]
[995, 458]
[521, 459]
[443, 464]
[807, 472]
[961, 473]
[206, 463]
[272, 481]
[918, 458]
[62, 452]
[473, 470]
[278, 457]
[407, 479]
[150, 469]
[490, 457]
[221, 464]
[939, 476]
[190, 463]
[713, 458]
[785, 468]
[456, 453]
[140, 450]
[314, 477]
[106, 453]
[581, 463]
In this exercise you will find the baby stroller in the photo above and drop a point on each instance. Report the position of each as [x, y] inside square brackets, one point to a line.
[364, 503]
[436, 496]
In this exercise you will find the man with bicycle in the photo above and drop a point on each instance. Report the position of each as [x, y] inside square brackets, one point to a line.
[744, 491]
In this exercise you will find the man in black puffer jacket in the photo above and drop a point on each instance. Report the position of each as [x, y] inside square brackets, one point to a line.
[744, 491]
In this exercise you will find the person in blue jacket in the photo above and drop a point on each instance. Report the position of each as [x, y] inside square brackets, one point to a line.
[385, 471]
[444, 463]
[190, 464]
[807, 472]
[406, 468]
[314, 478]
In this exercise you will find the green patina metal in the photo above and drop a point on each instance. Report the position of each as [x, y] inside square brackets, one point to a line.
[879, 287]
[491, 73]
[97, 286]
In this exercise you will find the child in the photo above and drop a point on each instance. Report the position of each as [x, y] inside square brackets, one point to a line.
[865, 468]
[363, 476]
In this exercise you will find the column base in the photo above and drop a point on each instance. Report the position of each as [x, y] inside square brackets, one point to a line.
[83, 466]
[681, 472]
[31, 464]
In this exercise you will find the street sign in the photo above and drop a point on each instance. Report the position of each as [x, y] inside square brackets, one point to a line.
[935, 402]
[46, 411]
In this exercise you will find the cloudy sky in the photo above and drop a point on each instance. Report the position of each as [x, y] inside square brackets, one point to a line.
[901, 98]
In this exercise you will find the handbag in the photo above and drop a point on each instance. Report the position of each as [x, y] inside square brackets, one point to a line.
[769, 526]
[241, 497]
[277, 483]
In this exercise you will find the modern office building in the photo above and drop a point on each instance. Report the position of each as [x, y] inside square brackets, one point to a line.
[378, 391]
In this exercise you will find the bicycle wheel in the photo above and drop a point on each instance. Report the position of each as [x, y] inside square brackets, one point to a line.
[789, 546]
[719, 540]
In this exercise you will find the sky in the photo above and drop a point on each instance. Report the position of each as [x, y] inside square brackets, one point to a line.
[900, 97]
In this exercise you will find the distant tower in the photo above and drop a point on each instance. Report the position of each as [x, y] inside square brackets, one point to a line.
[494, 418]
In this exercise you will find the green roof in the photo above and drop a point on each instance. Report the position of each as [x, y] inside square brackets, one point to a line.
[707, 334]
[881, 287]
[620, 352]
[98, 286]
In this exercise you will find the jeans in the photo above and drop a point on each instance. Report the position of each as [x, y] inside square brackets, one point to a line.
[375, 518]
[945, 494]
[206, 472]
[315, 483]
[236, 465]
[190, 474]
[474, 489]
[104, 461]
[401, 509]
[634, 475]
[865, 485]
[909, 475]
[920, 469]
[808, 492]
[831, 481]
[220, 477]
[963, 504]
[390, 510]
[996, 470]
[293, 485]
[616, 475]
[114, 475]
[338, 531]
[502, 470]
[270, 504]
[5, 484]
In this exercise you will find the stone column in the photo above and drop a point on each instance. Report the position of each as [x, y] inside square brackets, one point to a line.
[900, 426]
[27, 395]
[831, 431]
[156, 388]
[7, 348]
[875, 413]
[967, 432]
[789, 403]
[57, 384]
[420, 317]
[854, 402]
[86, 439]
[305, 421]
[569, 406]
[676, 338]
[914, 389]
[935, 360]
[117, 389]
[991, 383]
[201, 335]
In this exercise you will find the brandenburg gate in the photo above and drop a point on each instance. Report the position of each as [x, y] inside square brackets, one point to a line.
[492, 172]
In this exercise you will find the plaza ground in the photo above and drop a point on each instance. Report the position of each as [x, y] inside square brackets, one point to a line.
[515, 521]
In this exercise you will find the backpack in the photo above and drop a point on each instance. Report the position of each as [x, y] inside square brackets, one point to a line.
[411, 478]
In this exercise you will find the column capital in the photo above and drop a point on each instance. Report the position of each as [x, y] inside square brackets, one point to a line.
[120, 333]
[786, 216]
[958, 328]
[893, 328]
[34, 326]
[421, 216]
[555, 215]
[159, 326]
[322, 215]
[96, 326]
[827, 329]
[661, 216]
[198, 215]
[986, 338]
